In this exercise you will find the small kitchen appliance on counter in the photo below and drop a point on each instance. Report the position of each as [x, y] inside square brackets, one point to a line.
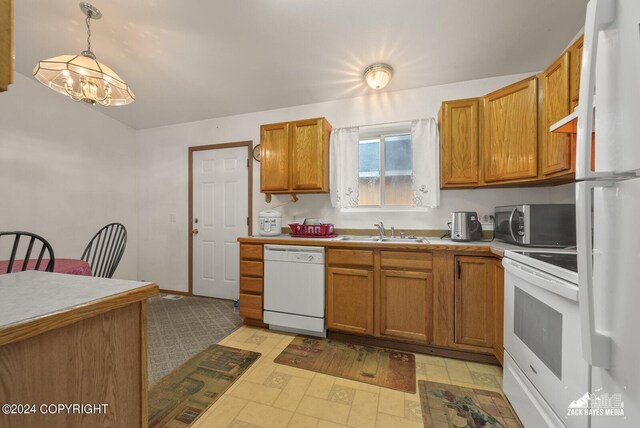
[270, 223]
[537, 225]
[465, 226]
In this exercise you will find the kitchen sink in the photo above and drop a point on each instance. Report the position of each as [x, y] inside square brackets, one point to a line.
[356, 238]
[403, 240]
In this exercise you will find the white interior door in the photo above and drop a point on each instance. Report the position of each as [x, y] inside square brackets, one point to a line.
[220, 212]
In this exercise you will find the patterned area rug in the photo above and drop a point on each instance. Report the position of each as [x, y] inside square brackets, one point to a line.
[450, 406]
[180, 397]
[369, 364]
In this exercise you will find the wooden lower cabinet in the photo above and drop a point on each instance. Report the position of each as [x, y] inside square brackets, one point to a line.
[350, 300]
[251, 281]
[251, 306]
[474, 311]
[406, 305]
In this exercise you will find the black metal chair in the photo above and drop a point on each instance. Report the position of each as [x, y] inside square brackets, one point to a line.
[104, 251]
[32, 242]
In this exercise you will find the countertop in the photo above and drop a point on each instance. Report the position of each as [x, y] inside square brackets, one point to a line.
[32, 301]
[496, 248]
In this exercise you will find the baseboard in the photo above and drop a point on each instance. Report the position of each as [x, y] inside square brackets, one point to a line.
[180, 293]
[414, 347]
[255, 323]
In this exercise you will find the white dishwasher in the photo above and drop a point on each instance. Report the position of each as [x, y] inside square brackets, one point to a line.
[294, 289]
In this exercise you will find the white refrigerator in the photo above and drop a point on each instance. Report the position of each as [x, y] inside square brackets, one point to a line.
[608, 210]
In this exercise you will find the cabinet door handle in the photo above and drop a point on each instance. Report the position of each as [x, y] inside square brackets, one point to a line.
[459, 269]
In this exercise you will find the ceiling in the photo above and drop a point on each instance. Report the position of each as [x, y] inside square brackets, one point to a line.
[191, 60]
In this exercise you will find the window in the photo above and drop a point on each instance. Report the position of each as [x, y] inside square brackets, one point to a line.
[385, 169]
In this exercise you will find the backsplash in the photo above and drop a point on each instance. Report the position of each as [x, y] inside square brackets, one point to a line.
[482, 201]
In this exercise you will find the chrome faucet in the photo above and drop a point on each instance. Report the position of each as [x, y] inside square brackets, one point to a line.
[380, 228]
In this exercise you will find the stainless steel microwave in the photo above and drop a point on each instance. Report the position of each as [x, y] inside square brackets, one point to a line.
[537, 225]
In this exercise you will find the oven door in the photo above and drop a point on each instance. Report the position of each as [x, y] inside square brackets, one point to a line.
[542, 336]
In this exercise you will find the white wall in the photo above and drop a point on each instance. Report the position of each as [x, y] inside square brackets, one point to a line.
[66, 171]
[163, 168]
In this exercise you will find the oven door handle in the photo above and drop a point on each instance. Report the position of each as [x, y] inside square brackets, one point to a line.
[596, 346]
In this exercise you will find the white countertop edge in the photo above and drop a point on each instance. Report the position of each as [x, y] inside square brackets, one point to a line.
[31, 295]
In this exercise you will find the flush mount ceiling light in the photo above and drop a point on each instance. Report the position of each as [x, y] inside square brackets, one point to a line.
[81, 77]
[378, 76]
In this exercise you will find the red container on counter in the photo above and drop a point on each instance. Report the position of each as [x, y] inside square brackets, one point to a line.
[312, 230]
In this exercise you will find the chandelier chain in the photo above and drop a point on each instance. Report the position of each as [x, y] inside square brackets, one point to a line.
[88, 21]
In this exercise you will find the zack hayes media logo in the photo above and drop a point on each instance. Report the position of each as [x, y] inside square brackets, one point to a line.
[597, 405]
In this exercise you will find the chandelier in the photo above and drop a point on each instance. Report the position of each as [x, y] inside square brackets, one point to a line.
[81, 77]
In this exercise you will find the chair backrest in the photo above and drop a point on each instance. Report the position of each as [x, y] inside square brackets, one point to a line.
[104, 251]
[23, 249]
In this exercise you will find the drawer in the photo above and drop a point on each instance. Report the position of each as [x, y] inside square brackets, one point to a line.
[251, 306]
[251, 251]
[339, 257]
[406, 260]
[251, 285]
[250, 268]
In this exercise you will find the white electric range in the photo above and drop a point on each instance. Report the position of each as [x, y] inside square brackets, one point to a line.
[544, 372]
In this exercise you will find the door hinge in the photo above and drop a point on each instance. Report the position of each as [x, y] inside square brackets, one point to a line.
[247, 221]
[247, 162]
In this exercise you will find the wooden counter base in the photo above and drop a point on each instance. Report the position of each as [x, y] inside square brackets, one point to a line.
[409, 346]
[76, 341]
[97, 360]
[398, 295]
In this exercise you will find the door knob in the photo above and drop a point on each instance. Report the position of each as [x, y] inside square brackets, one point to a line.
[194, 231]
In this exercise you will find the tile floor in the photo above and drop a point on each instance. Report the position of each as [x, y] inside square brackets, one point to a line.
[273, 395]
[179, 329]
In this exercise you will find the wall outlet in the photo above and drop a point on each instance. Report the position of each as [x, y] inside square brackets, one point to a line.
[172, 217]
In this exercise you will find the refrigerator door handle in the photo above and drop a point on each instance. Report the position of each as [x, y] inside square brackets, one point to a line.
[596, 346]
[599, 14]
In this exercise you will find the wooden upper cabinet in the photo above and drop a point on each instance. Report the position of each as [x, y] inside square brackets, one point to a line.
[310, 155]
[274, 157]
[510, 137]
[460, 148]
[474, 302]
[555, 147]
[575, 53]
[6, 44]
[295, 157]
[406, 305]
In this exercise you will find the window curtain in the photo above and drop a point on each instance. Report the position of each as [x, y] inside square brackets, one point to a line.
[425, 178]
[343, 161]
[343, 164]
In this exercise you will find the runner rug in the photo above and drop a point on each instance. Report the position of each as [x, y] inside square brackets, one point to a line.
[369, 364]
[450, 406]
[180, 397]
